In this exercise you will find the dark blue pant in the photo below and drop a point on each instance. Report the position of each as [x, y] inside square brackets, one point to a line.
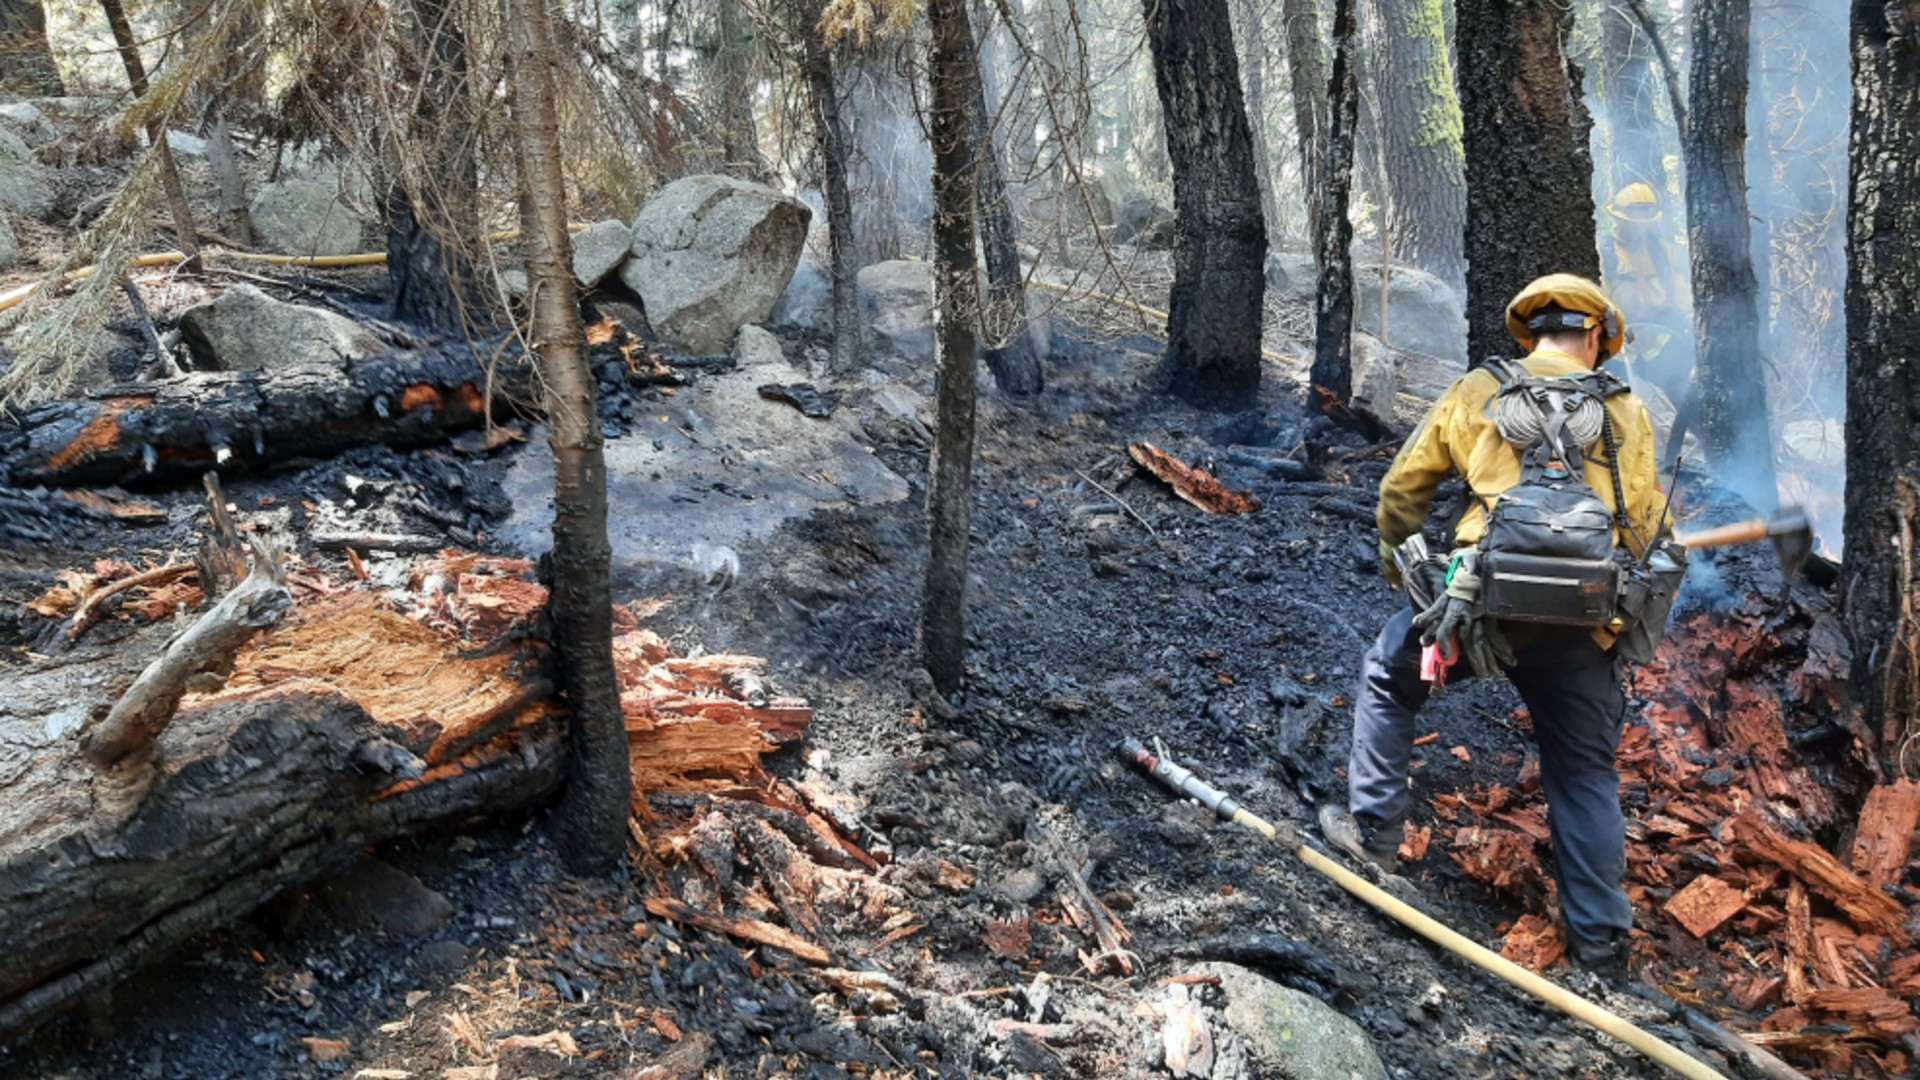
[1572, 688]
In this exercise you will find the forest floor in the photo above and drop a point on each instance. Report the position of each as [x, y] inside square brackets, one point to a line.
[1093, 615]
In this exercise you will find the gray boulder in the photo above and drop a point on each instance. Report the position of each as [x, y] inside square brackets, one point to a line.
[711, 254]
[599, 250]
[306, 217]
[1144, 222]
[807, 301]
[1424, 314]
[896, 303]
[9, 245]
[23, 181]
[244, 329]
[1289, 1034]
[1376, 375]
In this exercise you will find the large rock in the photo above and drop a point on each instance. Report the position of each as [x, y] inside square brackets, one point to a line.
[896, 302]
[599, 249]
[711, 254]
[244, 329]
[808, 300]
[306, 217]
[23, 181]
[1143, 222]
[1289, 1034]
[1424, 314]
[9, 245]
[1376, 375]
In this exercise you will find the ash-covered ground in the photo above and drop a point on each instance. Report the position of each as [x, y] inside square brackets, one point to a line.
[1100, 607]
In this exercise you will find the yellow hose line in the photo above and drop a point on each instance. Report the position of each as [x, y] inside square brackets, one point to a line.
[1491, 962]
[1152, 313]
[13, 297]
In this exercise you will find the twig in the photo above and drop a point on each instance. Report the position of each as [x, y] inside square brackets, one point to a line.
[88, 613]
[162, 357]
[1104, 490]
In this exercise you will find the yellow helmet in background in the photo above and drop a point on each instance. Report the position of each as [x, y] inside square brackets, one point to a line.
[1586, 301]
[1635, 202]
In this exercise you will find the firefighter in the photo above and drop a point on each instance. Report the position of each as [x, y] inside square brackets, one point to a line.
[1569, 676]
[1640, 276]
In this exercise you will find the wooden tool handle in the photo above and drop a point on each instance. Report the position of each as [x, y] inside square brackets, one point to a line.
[1740, 532]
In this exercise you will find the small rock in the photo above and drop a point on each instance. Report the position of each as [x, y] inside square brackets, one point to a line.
[1289, 1033]
[755, 346]
[1020, 887]
[599, 250]
[244, 329]
[24, 186]
[190, 145]
[448, 956]
[1185, 824]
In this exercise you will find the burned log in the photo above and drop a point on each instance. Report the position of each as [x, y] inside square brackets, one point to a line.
[175, 430]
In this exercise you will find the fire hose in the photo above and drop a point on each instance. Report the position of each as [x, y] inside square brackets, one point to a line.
[1160, 767]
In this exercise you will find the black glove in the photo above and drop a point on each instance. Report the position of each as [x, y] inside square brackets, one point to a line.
[1487, 648]
[1454, 622]
[1445, 624]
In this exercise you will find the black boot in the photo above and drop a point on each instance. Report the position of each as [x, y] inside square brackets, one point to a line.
[1607, 959]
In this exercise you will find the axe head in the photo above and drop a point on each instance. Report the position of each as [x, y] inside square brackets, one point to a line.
[1792, 536]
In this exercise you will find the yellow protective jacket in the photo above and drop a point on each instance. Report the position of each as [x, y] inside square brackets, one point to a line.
[1458, 435]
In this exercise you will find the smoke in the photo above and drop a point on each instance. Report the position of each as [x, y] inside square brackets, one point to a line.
[1798, 101]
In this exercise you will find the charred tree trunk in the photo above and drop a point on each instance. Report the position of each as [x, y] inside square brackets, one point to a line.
[731, 70]
[1420, 135]
[1220, 241]
[593, 813]
[224, 163]
[1882, 601]
[831, 136]
[26, 58]
[1253, 69]
[1003, 318]
[950, 472]
[1332, 374]
[176, 192]
[1307, 74]
[1630, 87]
[431, 211]
[1729, 374]
[1529, 169]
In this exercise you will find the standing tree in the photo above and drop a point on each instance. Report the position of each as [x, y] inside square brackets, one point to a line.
[1252, 35]
[1307, 74]
[594, 810]
[831, 143]
[1220, 241]
[1529, 171]
[1332, 374]
[1729, 377]
[1420, 134]
[1003, 318]
[431, 206]
[1882, 602]
[176, 192]
[26, 58]
[943, 602]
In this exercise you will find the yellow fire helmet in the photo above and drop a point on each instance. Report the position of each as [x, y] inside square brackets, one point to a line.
[1567, 293]
[1635, 202]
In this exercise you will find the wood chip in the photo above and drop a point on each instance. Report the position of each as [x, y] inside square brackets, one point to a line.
[1534, 942]
[556, 1042]
[1195, 485]
[322, 1050]
[1010, 939]
[1413, 846]
[762, 933]
[1704, 904]
[1884, 839]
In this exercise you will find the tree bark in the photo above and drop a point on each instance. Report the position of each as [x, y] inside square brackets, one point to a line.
[1332, 373]
[830, 134]
[1529, 169]
[224, 163]
[1420, 135]
[950, 483]
[1729, 375]
[1253, 65]
[1882, 600]
[731, 70]
[26, 57]
[1307, 74]
[176, 192]
[432, 214]
[1220, 241]
[594, 810]
[1003, 318]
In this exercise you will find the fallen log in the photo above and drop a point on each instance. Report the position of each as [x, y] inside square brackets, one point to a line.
[1194, 484]
[179, 428]
[343, 726]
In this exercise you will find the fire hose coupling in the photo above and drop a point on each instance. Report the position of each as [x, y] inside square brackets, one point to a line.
[1161, 767]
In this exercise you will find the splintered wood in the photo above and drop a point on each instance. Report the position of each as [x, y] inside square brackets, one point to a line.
[1737, 898]
[1195, 485]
